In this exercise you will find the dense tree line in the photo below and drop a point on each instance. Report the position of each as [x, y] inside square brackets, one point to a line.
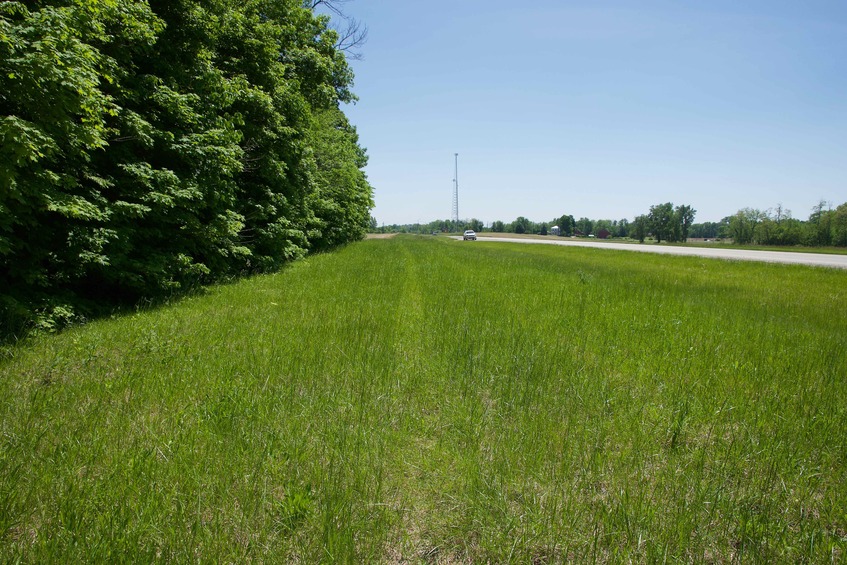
[149, 146]
[826, 226]
[664, 221]
[567, 225]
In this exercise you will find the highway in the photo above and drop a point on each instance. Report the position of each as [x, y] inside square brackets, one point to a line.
[813, 259]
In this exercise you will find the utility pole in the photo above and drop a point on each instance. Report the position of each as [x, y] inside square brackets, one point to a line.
[455, 217]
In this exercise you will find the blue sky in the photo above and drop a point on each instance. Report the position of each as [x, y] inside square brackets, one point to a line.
[601, 109]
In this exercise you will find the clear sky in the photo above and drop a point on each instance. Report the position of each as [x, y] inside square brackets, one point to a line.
[601, 109]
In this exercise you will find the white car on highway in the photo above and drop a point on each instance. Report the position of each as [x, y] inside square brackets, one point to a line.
[469, 234]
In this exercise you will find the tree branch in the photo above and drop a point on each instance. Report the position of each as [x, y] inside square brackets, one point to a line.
[352, 35]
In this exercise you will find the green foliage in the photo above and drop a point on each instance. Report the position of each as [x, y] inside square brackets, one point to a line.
[640, 227]
[342, 201]
[148, 147]
[566, 224]
[839, 226]
[709, 230]
[584, 226]
[683, 219]
[670, 224]
[474, 224]
[661, 221]
[742, 226]
[819, 227]
[776, 227]
[622, 228]
[54, 115]
[676, 224]
[522, 225]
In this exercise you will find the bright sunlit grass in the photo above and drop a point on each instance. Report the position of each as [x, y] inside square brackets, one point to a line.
[426, 400]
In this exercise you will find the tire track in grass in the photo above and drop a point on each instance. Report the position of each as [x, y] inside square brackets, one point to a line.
[448, 417]
[411, 372]
[424, 471]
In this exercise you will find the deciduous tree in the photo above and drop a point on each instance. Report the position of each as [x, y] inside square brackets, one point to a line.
[148, 146]
[661, 219]
[684, 218]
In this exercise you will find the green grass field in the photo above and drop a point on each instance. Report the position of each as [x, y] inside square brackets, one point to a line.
[424, 400]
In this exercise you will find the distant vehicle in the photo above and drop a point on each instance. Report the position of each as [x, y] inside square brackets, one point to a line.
[469, 234]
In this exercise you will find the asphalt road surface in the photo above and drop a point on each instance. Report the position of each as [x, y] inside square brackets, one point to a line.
[814, 259]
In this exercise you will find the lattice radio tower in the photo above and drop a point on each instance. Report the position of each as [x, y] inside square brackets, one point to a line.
[455, 217]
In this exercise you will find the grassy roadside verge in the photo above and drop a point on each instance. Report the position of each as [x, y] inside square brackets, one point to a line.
[786, 248]
[413, 399]
[713, 244]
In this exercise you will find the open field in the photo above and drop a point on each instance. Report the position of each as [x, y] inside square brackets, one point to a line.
[415, 399]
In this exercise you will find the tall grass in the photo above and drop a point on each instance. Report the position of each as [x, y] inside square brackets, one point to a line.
[422, 400]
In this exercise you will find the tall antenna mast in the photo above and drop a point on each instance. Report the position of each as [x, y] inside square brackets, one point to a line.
[456, 191]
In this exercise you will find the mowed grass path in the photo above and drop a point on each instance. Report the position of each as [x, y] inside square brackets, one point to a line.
[422, 400]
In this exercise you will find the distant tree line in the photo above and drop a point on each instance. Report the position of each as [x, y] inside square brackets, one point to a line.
[150, 146]
[826, 226]
[663, 221]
